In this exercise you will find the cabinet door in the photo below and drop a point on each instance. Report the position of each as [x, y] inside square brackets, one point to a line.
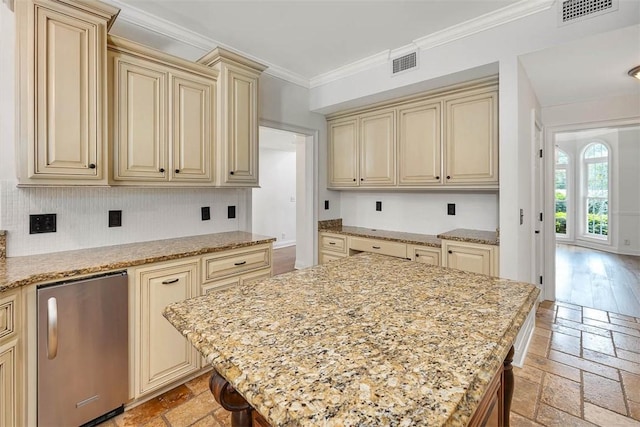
[8, 386]
[241, 127]
[164, 355]
[467, 257]
[377, 149]
[419, 142]
[192, 138]
[343, 153]
[471, 140]
[325, 257]
[70, 53]
[425, 255]
[139, 119]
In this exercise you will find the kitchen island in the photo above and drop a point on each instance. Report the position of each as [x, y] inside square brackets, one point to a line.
[365, 340]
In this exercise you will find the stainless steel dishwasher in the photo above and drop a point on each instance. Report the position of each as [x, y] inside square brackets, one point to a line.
[82, 350]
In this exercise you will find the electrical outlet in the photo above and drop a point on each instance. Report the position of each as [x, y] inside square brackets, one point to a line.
[627, 242]
[451, 208]
[379, 206]
[45, 223]
[326, 205]
[231, 212]
[115, 218]
[205, 213]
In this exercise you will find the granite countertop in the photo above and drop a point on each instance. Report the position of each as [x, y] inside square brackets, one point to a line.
[26, 270]
[364, 340]
[472, 236]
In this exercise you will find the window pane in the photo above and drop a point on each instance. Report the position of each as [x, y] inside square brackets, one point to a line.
[561, 180]
[561, 201]
[597, 179]
[595, 151]
[561, 157]
[597, 216]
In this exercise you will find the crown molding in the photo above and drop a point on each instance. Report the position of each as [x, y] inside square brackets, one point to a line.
[484, 22]
[350, 69]
[465, 29]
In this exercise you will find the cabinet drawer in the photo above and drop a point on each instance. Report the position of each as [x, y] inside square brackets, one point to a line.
[230, 263]
[333, 242]
[378, 246]
[233, 281]
[424, 254]
[7, 316]
[325, 257]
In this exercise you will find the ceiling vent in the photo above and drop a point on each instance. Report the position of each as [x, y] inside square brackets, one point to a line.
[404, 63]
[578, 10]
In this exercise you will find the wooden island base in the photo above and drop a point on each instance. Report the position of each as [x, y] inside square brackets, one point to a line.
[493, 410]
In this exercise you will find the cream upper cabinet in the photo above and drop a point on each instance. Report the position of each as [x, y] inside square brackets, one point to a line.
[343, 153]
[62, 93]
[471, 139]
[377, 149]
[237, 118]
[162, 354]
[473, 257]
[419, 142]
[162, 117]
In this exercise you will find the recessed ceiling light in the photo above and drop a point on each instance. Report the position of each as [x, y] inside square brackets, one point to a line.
[635, 72]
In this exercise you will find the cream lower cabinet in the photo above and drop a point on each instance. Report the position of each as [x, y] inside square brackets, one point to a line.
[162, 116]
[331, 247]
[424, 254]
[162, 354]
[11, 402]
[472, 257]
[62, 135]
[384, 247]
[236, 267]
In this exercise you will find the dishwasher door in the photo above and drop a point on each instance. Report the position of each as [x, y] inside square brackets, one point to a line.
[82, 350]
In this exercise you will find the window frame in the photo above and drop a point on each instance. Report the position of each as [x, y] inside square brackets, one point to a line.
[568, 168]
[584, 193]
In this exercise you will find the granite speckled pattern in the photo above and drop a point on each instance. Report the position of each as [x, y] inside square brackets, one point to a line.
[26, 270]
[393, 236]
[3, 244]
[329, 224]
[472, 236]
[364, 340]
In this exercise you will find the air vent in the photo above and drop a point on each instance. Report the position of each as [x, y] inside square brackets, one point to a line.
[405, 63]
[577, 10]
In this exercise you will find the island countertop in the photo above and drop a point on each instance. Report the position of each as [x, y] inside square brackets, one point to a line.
[364, 340]
[26, 270]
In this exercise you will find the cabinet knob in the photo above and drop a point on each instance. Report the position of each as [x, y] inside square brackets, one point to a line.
[92, 166]
[161, 170]
[448, 177]
[230, 172]
[361, 179]
[417, 255]
[177, 170]
[437, 177]
[354, 179]
[450, 251]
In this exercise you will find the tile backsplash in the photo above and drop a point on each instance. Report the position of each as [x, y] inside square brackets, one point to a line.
[83, 220]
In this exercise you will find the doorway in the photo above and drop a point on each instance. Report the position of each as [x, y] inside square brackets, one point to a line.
[595, 203]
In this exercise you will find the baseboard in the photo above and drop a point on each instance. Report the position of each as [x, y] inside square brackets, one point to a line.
[603, 248]
[283, 244]
[521, 346]
[300, 266]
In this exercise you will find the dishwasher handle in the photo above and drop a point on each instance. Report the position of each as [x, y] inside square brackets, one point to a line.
[52, 328]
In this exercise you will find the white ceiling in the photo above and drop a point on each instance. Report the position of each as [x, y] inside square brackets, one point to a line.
[590, 68]
[276, 139]
[312, 37]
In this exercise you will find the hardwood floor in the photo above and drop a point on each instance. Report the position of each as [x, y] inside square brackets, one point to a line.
[598, 279]
[284, 260]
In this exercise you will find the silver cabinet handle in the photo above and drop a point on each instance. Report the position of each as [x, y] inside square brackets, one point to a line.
[52, 328]
[168, 282]
[241, 263]
[375, 247]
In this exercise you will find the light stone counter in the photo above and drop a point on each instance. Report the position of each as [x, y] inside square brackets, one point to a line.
[26, 270]
[364, 340]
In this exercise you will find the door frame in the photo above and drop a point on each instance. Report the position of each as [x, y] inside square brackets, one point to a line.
[539, 184]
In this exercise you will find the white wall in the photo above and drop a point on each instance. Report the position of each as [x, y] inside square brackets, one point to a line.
[273, 204]
[420, 212]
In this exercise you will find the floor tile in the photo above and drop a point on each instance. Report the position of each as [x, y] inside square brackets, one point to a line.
[584, 328]
[199, 384]
[529, 372]
[620, 322]
[604, 417]
[631, 383]
[613, 327]
[193, 410]
[565, 343]
[553, 367]
[598, 343]
[605, 359]
[207, 421]
[603, 392]
[568, 305]
[539, 345]
[593, 313]
[561, 393]
[626, 342]
[634, 410]
[545, 333]
[585, 365]
[223, 417]
[570, 314]
[525, 401]
[552, 417]
[547, 305]
[628, 355]
[156, 422]
[518, 420]
[621, 317]
[566, 330]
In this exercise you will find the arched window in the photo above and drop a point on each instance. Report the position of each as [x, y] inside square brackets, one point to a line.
[595, 208]
[561, 192]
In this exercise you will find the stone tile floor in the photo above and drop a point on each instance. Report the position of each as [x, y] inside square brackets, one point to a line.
[582, 369]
